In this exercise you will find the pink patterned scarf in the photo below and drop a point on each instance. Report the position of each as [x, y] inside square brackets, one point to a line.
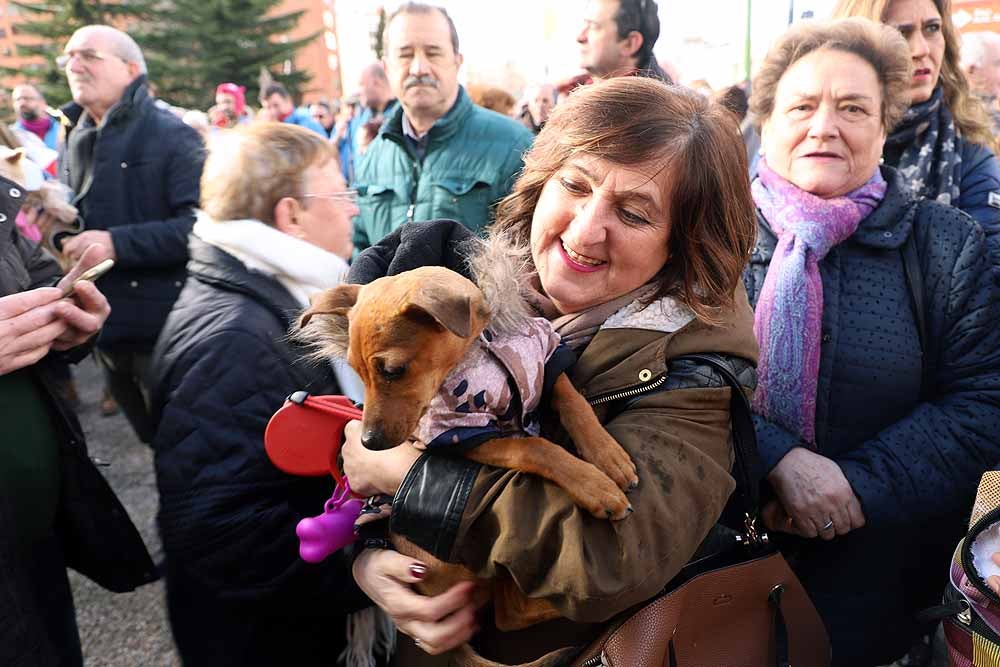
[789, 313]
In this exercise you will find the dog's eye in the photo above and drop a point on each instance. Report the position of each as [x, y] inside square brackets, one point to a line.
[390, 373]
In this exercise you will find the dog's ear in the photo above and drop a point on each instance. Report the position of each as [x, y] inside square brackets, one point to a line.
[328, 336]
[455, 312]
[336, 301]
[13, 155]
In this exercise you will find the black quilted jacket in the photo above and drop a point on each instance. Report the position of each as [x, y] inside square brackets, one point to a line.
[913, 462]
[237, 590]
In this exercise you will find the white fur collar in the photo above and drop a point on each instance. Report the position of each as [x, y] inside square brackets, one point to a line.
[665, 315]
[302, 268]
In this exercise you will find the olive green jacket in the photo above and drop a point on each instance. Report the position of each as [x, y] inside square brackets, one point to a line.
[676, 427]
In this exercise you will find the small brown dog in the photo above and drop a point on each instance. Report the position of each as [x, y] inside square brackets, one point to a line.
[404, 335]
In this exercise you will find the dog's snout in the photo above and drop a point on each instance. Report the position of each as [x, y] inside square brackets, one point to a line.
[373, 438]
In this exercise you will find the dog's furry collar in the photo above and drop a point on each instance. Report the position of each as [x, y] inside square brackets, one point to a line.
[503, 271]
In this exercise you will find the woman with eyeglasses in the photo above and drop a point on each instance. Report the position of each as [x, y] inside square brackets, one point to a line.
[273, 229]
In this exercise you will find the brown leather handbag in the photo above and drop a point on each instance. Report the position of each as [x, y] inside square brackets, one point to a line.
[740, 607]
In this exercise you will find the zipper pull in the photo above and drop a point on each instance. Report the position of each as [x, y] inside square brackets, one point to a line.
[409, 212]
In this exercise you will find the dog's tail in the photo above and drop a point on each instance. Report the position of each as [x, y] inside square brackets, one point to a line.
[369, 631]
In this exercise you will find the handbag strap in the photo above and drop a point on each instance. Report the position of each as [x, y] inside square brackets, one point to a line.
[915, 286]
[781, 653]
[747, 466]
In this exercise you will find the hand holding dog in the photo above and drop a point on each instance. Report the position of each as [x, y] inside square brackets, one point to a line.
[812, 491]
[438, 624]
[374, 472]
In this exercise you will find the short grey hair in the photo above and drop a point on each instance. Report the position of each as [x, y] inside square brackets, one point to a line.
[975, 47]
[122, 44]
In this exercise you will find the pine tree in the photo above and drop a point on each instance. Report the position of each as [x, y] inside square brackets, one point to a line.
[196, 44]
[51, 23]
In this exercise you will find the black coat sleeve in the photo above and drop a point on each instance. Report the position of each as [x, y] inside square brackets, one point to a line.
[227, 515]
[415, 244]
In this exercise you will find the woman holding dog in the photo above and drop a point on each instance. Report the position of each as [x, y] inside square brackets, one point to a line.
[624, 189]
[274, 228]
[943, 147]
[878, 397]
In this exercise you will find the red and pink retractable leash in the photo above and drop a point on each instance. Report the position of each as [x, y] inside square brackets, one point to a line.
[304, 438]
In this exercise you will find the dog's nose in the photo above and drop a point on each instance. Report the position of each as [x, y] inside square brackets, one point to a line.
[373, 439]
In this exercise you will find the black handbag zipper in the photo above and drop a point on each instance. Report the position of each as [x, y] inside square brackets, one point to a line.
[968, 565]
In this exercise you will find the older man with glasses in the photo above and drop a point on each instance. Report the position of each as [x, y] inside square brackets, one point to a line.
[134, 170]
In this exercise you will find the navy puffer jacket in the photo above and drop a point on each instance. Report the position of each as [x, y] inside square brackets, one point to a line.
[222, 366]
[979, 189]
[144, 187]
[914, 463]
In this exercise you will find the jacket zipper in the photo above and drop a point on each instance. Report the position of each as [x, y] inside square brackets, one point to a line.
[415, 172]
[968, 621]
[596, 661]
[627, 393]
[984, 522]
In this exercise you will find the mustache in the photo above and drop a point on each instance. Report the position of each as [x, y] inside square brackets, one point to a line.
[423, 80]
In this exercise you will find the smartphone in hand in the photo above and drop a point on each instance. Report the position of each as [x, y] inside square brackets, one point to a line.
[91, 274]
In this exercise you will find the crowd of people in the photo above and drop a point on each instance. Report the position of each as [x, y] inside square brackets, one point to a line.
[827, 234]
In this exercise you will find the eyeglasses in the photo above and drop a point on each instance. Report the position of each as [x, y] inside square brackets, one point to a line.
[345, 196]
[88, 56]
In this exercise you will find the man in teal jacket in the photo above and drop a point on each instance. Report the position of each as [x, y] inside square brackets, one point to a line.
[438, 155]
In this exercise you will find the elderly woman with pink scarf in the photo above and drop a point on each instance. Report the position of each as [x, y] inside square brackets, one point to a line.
[878, 403]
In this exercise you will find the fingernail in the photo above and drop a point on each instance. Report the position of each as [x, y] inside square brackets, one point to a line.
[418, 571]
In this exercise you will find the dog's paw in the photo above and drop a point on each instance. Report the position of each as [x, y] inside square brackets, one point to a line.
[612, 459]
[600, 496]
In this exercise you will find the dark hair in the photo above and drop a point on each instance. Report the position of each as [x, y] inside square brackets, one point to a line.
[324, 104]
[643, 17]
[275, 89]
[421, 8]
[735, 99]
[636, 121]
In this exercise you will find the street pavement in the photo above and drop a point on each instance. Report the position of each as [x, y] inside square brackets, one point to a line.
[123, 629]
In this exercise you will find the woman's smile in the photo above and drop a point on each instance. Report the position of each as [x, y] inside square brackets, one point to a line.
[599, 231]
[580, 262]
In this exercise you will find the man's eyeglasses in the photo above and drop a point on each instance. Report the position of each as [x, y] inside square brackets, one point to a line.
[88, 56]
[345, 197]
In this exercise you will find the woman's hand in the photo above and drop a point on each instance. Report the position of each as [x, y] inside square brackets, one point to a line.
[85, 312]
[813, 492]
[372, 472]
[29, 326]
[437, 624]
